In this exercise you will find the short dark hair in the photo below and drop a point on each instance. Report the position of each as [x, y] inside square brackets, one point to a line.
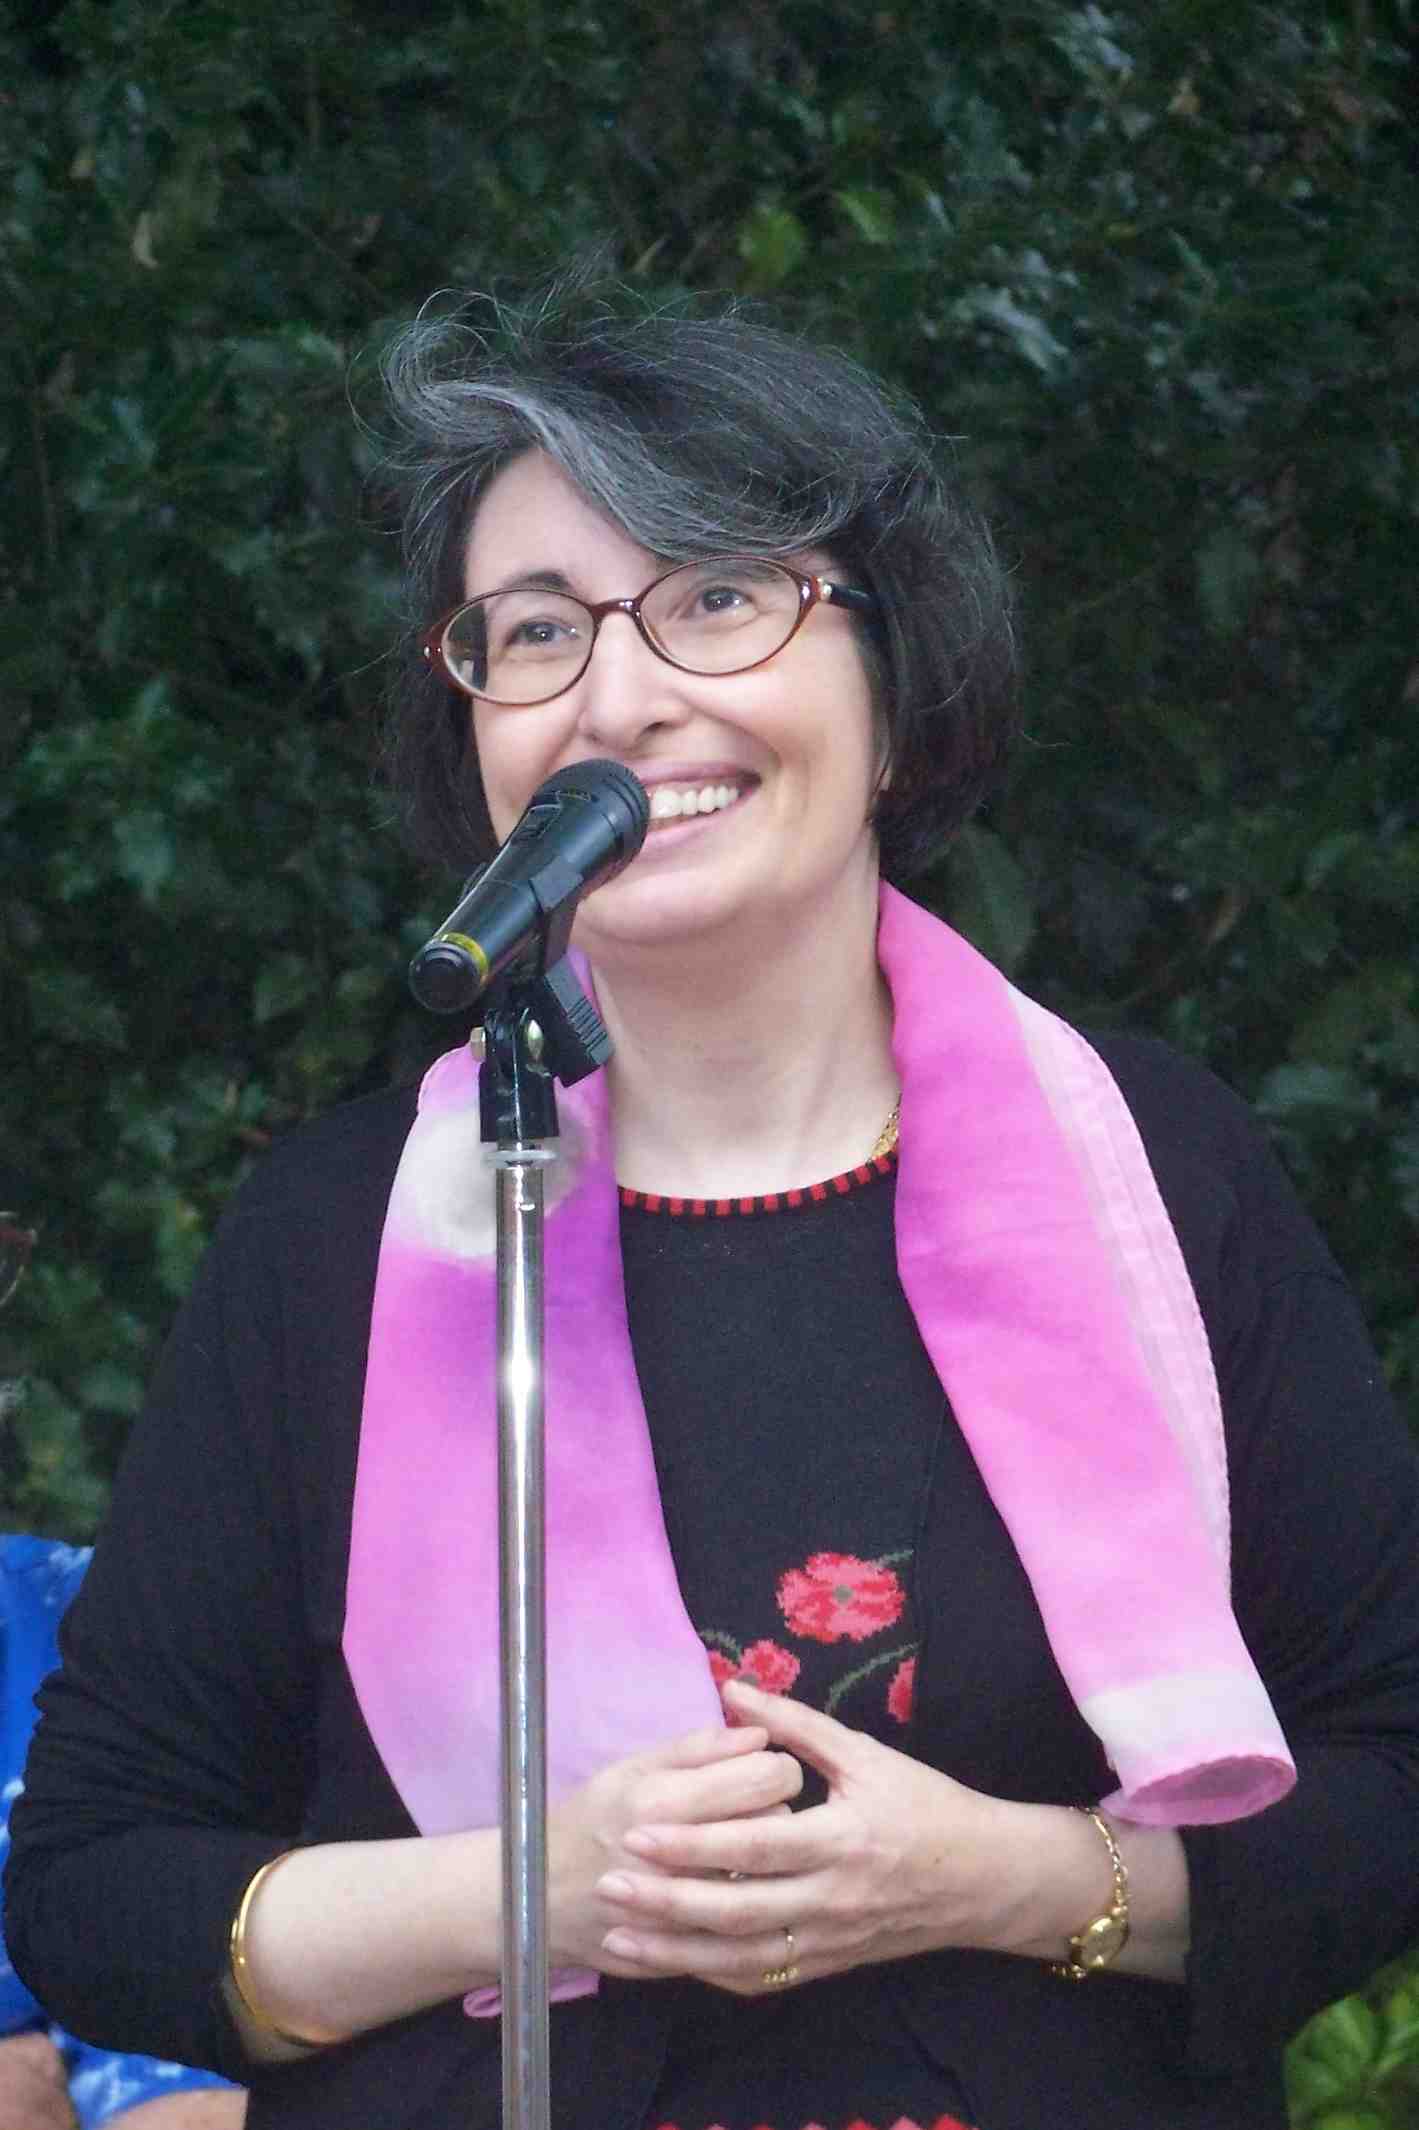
[703, 432]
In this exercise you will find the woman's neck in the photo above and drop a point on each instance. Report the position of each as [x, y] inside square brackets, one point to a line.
[742, 1072]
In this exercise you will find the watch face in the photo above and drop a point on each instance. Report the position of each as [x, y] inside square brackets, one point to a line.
[1102, 1940]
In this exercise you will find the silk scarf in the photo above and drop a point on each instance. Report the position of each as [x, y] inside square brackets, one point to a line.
[1050, 1292]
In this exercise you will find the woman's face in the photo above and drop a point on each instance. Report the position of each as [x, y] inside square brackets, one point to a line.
[796, 741]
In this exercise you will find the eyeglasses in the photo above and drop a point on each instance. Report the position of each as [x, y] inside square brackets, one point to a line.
[726, 615]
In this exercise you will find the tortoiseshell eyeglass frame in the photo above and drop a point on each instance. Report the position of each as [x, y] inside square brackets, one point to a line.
[813, 590]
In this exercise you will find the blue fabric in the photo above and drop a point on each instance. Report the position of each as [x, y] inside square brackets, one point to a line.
[38, 1577]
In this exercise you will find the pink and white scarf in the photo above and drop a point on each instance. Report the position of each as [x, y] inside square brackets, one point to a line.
[1050, 1292]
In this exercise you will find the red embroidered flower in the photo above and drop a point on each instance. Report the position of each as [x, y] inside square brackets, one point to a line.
[771, 1669]
[835, 1595]
[763, 1664]
[901, 1690]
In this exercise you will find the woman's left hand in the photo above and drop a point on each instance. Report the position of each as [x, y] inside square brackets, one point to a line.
[900, 1859]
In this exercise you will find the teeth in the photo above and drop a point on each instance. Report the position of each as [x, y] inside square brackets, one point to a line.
[669, 802]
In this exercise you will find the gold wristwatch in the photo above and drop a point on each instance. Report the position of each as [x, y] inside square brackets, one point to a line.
[1100, 1942]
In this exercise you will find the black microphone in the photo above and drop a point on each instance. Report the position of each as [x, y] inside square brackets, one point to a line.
[581, 827]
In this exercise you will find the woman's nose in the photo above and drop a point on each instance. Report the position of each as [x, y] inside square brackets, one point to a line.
[626, 690]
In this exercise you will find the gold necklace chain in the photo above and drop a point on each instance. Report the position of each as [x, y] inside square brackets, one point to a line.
[887, 1137]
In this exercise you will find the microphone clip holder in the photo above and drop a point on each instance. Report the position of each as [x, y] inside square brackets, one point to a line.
[538, 1028]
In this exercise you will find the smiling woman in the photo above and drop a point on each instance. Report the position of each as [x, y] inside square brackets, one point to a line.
[767, 698]
[964, 1411]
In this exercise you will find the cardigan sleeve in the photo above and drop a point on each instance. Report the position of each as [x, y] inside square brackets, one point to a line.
[1298, 1905]
[174, 1750]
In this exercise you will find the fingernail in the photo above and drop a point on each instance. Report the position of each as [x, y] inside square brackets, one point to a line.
[622, 1944]
[641, 1842]
[616, 1886]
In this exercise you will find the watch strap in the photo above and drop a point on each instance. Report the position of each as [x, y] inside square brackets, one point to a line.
[1104, 1936]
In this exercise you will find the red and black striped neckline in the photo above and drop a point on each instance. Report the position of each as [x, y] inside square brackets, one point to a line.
[770, 1202]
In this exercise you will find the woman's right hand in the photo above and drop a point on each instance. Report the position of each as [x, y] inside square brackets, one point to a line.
[346, 1936]
[708, 1775]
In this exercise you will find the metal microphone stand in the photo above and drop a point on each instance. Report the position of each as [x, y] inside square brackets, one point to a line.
[537, 1028]
[585, 822]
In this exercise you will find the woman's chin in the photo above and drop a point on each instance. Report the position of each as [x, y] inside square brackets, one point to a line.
[631, 916]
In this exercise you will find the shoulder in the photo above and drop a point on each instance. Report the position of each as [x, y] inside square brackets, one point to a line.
[322, 1187]
[299, 1240]
[1181, 1107]
[342, 1156]
[1235, 1211]
[1303, 1395]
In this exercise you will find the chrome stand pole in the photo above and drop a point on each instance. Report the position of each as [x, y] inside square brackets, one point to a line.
[522, 1528]
[537, 1028]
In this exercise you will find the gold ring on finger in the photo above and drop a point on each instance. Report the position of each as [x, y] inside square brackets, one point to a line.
[781, 1977]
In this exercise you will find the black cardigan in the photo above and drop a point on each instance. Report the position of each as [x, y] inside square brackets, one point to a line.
[205, 1718]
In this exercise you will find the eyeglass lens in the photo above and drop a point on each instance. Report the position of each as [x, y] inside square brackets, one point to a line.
[709, 617]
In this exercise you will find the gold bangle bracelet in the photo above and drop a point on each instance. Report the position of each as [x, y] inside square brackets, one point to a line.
[241, 1967]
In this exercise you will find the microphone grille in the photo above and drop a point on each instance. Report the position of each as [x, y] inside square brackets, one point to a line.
[590, 780]
[604, 783]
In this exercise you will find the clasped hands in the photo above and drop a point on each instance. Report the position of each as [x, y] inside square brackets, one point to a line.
[688, 1861]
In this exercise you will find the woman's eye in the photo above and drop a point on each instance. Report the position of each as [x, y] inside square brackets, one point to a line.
[724, 602]
[544, 634]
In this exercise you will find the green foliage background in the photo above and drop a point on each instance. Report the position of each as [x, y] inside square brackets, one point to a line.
[1154, 267]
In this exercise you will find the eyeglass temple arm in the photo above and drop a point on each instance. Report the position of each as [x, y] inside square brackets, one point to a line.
[848, 595]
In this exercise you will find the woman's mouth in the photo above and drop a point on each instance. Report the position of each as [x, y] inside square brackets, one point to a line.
[683, 802]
